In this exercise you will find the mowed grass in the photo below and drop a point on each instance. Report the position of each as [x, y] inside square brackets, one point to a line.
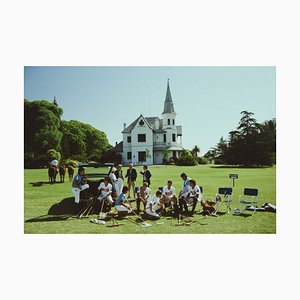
[39, 197]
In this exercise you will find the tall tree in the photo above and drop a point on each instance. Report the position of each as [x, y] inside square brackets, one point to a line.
[251, 144]
[82, 141]
[41, 125]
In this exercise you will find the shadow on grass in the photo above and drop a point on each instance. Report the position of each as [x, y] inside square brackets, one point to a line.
[41, 183]
[67, 208]
[47, 218]
[244, 215]
[238, 167]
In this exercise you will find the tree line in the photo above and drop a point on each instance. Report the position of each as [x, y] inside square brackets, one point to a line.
[47, 135]
[251, 144]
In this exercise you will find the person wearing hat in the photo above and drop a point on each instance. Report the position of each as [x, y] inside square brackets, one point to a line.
[114, 181]
[131, 177]
[120, 178]
[79, 184]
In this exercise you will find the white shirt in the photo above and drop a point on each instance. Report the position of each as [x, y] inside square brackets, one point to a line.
[154, 200]
[169, 193]
[186, 185]
[195, 191]
[113, 177]
[105, 188]
[54, 162]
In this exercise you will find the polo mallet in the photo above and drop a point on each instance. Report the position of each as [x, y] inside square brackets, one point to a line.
[87, 210]
[78, 215]
[90, 209]
[101, 214]
[114, 223]
[145, 224]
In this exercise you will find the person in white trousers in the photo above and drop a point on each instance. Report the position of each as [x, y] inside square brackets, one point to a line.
[79, 184]
[114, 180]
[120, 178]
[153, 206]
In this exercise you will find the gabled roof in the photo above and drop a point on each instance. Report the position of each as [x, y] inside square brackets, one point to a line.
[149, 121]
[118, 147]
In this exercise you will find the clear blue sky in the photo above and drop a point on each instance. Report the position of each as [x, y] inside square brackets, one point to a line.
[207, 100]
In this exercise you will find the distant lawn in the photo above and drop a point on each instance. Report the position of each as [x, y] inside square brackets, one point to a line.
[39, 197]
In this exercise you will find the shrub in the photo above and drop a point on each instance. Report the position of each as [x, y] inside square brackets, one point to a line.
[186, 159]
[202, 160]
[71, 162]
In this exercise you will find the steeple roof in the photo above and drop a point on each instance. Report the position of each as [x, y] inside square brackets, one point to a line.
[168, 106]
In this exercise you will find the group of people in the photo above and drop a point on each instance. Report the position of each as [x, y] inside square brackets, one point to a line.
[114, 193]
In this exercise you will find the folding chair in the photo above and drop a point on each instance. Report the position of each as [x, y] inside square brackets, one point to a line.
[227, 199]
[249, 198]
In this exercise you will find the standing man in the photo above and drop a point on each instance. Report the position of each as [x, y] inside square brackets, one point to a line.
[131, 177]
[146, 175]
[184, 192]
[120, 178]
[79, 184]
[114, 181]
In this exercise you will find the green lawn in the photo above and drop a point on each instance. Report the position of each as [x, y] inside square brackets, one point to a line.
[39, 198]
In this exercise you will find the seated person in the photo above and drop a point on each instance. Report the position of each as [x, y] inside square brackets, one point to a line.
[169, 195]
[153, 206]
[79, 184]
[194, 195]
[122, 205]
[54, 163]
[143, 195]
[105, 190]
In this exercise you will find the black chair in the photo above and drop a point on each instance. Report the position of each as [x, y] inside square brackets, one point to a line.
[224, 196]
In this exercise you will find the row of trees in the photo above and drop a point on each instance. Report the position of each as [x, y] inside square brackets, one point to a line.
[46, 135]
[251, 144]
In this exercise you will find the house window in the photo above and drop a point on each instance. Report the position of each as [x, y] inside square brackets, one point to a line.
[141, 123]
[129, 155]
[142, 156]
[174, 137]
[169, 121]
[173, 121]
[141, 138]
[165, 138]
[129, 139]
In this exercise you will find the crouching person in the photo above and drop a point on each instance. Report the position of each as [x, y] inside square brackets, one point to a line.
[122, 205]
[79, 184]
[154, 206]
[143, 195]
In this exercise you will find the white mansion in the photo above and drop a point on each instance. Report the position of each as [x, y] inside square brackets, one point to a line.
[146, 140]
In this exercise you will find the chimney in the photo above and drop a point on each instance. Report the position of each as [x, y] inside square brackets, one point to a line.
[124, 125]
[116, 143]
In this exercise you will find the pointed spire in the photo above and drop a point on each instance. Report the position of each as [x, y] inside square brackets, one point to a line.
[168, 106]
